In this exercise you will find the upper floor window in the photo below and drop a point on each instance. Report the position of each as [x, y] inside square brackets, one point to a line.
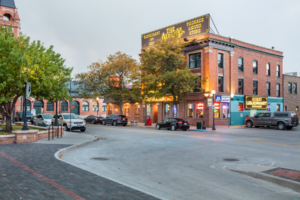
[278, 71]
[241, 86]
[195, 60]
[241, 64]
[268, 69]
[278, 90]
[295, 88]
[290, 88]
[254, 67]
[220, 60]
[268, 89]
[198, 85]
[220, 84]
[255, 84]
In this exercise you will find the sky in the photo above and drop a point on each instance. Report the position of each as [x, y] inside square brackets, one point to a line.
[85, 31]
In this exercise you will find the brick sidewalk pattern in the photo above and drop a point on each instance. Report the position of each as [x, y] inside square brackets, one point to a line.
[18, 183]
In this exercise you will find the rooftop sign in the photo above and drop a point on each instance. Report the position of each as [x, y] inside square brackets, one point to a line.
[186, 29]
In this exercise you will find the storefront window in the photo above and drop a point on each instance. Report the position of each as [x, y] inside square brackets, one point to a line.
[167, 110]
[278, 107]
[225, 110]
[217, 110]
[199, 109]
[269, 107]
[109, 109]
[241, 107]
[148, 110]
[190, 110]
[285, 108]
[175, 110]
[137, 110]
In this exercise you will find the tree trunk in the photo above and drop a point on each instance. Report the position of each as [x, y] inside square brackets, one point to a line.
[8, 127]
[121, 107]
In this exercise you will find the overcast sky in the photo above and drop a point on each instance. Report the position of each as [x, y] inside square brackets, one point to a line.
[83, 31]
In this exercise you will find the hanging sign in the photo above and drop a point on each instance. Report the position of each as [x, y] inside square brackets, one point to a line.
[209, 102]
[218, 98]
[28, 89]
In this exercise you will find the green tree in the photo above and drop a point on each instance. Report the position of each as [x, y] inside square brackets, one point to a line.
[23, 61]
[110, 79]
[164, 72]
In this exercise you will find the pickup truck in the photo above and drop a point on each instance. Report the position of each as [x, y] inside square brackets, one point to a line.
[283, 120]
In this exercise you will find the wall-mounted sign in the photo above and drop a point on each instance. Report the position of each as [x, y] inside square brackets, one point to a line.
[225, 98]
[209, 102]
[218, 98]
[258, 103]
[186, 29]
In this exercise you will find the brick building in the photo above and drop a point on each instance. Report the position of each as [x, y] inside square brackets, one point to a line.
[9, 15]
[247, 79]
[290, 92]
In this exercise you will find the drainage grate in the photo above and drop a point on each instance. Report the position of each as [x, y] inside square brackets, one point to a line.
[231, 159]
[100, 158]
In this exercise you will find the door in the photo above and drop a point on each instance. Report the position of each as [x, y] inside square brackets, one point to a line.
[267, 119]
[38, 105]
[76, 107]
[258, 119]
[155, 111]
[109, 119]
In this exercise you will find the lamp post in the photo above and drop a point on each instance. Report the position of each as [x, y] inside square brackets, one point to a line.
[97, 105]
[213, 92]
[25, 126]
[56, 115]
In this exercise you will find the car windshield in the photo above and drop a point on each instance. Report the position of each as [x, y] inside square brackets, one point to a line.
[47, 116]
[72, 116]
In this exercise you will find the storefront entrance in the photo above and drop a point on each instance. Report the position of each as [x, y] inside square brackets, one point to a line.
[76, 108]
[39, 107]
[155, 113]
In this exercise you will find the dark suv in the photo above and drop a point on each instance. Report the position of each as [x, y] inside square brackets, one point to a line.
[115, 120]
[284, 120]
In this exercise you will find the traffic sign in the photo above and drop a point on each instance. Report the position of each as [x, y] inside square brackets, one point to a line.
[213, 107]
[73, 106]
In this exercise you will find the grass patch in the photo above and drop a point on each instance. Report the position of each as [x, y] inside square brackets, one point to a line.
[16, 128]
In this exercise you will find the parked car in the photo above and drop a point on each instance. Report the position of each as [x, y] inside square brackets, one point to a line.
[284, 120]
[76, 122]
[42, 120]
[19, 116]
[173, 124]
[94, 119]
[115, 120]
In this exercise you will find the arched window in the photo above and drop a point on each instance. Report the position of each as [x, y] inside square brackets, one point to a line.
[6, 17]
[241, 64]
[50, 106]
[64, 106]
[255, 67]
[126, 109]
[85, 106]
[95, 106]
[137, 110]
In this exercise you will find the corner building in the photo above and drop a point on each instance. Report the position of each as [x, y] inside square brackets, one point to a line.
[247, 79]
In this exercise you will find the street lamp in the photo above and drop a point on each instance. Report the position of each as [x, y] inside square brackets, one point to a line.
[56, 115]
[97, 105]
[213, 92]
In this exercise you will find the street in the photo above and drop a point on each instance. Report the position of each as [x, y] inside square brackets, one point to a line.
[189, 165]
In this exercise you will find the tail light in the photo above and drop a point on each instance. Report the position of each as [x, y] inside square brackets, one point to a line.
[179, 122]
[290, 120]
[188, 123]
[119, 118]
[96, 118]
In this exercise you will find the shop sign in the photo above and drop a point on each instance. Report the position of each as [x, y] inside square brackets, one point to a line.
[209, 102]
[193, 27]
[225, 98]
[254, 102]
[163, 99]
[218, 98]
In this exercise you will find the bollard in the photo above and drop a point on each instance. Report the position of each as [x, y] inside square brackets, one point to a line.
[203, 127]
[61, 131]
[57, 132]
[48, 132]
[52, 132]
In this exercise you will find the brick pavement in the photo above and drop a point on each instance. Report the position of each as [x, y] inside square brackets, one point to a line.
[30, 171]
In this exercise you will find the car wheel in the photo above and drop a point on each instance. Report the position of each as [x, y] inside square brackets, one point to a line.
[289, 127]
[33, 123]
[249, 124]
[281, 126]
[103, 123]
[184, 129]
[82, 130]
[124, 124]
[157, 126]
[93, 122]
[256, 126]
[66, 127]
[114, 123]
[173, 128]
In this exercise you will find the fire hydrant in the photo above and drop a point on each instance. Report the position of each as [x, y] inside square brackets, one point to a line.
[149, 121]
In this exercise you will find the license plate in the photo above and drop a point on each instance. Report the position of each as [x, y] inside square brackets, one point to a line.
[185, 123]
[78, 125]
[124, 119]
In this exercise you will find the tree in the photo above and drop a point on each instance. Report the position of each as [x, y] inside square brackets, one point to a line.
[164, 71]
[23, 61]
[109, 79]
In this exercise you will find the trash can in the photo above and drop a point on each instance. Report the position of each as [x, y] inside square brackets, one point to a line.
[199, 125]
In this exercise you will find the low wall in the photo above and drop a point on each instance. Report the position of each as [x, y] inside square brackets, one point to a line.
[7, 139]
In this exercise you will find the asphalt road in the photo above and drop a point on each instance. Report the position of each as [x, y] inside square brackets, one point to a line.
[190, 165]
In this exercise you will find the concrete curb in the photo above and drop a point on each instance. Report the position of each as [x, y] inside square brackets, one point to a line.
[59, 154]
[273, 179]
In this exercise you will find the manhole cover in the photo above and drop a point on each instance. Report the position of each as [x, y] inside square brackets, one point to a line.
[100, 158]
[231, 159]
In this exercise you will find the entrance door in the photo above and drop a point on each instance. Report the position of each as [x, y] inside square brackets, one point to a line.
[76, 109]
[155, 113]
[38, 105]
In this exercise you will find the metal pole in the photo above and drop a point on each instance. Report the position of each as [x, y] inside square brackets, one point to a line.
[25, 126]
[61, 131]
[52, 132]
[56, 121]
[70, 109]
[49, 132]
[213, 128]
[145, 114]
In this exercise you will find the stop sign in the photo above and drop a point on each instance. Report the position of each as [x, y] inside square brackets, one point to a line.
[73, 106]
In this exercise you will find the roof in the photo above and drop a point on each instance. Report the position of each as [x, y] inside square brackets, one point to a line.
[8, 3]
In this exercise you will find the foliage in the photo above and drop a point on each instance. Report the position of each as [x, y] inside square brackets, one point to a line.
[23, 61]
[164, 71]
[109, 79]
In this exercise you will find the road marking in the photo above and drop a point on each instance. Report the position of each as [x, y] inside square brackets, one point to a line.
[206, 137]
[47, 180]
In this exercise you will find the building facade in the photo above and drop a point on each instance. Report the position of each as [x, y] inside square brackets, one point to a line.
[290, 92]
[9, 15]
[246, 78]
